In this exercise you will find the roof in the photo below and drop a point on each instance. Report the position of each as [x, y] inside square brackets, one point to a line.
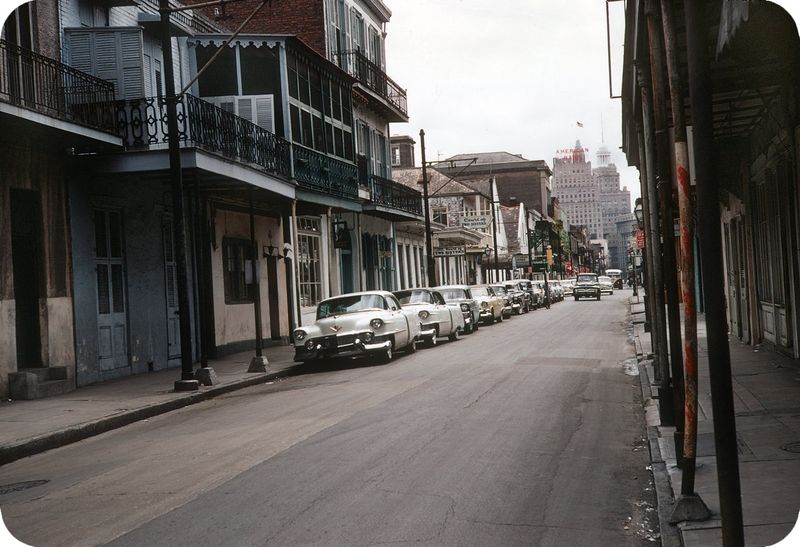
[438, 183]
[485, 158]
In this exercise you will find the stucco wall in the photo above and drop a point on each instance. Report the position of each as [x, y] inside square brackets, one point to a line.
[236, 322]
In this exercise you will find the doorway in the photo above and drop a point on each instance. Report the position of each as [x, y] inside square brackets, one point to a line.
[26, 249]
[112, 332]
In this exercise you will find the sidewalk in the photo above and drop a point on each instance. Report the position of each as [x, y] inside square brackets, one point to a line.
[30, 427]
[766, 389]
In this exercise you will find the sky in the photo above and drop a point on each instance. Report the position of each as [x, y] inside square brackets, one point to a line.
[509, 75]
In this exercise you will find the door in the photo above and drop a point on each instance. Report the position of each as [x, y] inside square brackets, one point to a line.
[112, 335]
[26, 236]
[346, 262]
[272, 298]
[171, 284]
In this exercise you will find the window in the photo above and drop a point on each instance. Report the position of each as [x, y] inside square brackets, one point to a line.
[237, 255]
[439, 215]
[308, 260]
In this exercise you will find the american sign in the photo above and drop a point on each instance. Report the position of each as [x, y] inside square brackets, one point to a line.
[479, 221]
[570, 150]
[449, 251]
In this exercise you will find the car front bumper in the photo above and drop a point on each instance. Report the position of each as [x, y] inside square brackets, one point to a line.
[328, 347]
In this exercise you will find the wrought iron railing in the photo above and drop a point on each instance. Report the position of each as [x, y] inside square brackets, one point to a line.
[316, 171]
[393, 194]
[38, 83]
[142, 123]
[371, 75]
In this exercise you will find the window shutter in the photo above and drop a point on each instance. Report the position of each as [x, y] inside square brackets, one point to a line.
[265, 112]
[114, 55]
[244, 108]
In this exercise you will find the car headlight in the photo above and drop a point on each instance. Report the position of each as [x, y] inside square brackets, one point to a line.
[464, 307]
[309, 344]
[367, 337]
[424, 314]
[484, 305]
[376, 323]
[299, 335]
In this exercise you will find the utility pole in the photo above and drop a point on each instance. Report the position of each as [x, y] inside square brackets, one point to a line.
[187, 381]
[431, 274]
[494, 226]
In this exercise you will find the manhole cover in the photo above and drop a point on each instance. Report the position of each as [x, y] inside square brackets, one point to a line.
[792, 447]
[19, 486]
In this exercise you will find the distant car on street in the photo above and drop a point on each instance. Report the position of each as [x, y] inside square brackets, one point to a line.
[501, 291]
[586, 286]
[606, 284]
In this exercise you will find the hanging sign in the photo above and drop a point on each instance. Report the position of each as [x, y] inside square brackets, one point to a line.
[476, 221]
[640, 239]
[448, 251]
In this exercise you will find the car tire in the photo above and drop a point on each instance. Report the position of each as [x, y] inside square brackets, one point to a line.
[577, 298]
[611, 293]
[455, 335]
[490, 321]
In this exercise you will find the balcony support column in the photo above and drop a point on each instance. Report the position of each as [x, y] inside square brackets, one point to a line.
[187, 381]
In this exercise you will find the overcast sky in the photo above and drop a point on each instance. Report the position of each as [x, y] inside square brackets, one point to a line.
[509, 75]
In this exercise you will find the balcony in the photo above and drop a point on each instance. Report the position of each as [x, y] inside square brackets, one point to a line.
[373, 78]
[142, 123]
[321, 173]
[392, 197]
[40, 84]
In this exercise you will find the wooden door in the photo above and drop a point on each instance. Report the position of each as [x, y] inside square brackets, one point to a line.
[112, 332]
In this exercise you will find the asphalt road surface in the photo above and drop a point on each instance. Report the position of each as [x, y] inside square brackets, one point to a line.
[528, 432]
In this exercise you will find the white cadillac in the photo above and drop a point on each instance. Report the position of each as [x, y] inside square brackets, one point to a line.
[436, 317]
[358, 324]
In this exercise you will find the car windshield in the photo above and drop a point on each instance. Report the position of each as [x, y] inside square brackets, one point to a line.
[604, 279]
[589, 278]
[480, 291]
[525, 285]
[453, 294]
[414, 297]
[350, 304]
[499, 289]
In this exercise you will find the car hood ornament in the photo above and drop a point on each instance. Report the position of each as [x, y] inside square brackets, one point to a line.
[336, 328]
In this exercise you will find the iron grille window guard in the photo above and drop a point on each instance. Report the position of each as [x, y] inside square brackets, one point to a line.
[393, 194]
[316, 171]
[41, 84]
[371, 75]
[142, 123]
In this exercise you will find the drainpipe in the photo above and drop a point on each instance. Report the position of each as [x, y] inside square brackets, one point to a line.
[689, 506]
[719, 359]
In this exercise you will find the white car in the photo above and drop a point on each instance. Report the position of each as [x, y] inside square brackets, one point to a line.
[490, 303]
[371, 323]
[606, 284]
[436, 318]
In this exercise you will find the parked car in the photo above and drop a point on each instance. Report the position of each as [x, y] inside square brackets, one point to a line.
[545, 293]
[371, 323]
[501, 291]
[568, 285]
[490, 303]
[586, 285]
[520, 299]
[435, 316]
[535, 292]
[606, 284]
[461, 296]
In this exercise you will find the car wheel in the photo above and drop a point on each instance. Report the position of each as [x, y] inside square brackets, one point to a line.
[475, 324]
[412, 347]
[455, 335]
[612, 292]
[577, 298]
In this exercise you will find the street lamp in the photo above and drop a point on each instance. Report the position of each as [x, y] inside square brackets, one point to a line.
[638, 212]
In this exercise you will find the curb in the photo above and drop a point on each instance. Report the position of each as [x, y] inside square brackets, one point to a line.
[56, 439]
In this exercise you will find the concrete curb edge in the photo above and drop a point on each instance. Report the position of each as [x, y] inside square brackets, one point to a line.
[49, 441]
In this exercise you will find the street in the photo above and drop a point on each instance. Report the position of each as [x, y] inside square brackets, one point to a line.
[528, 432]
